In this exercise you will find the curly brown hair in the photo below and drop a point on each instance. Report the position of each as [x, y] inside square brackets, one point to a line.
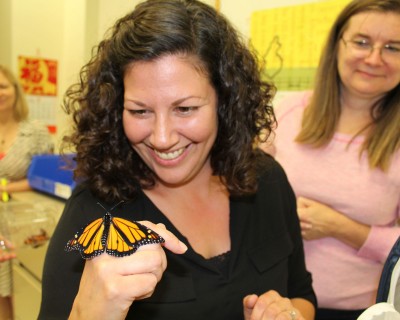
[105, 160]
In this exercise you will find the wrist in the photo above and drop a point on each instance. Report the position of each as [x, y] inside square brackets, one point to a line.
[337, 225]
[4, 185]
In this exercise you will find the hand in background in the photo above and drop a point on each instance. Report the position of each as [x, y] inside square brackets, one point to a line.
[6, 250]
[319, 221]
[269, 306]
[109, 285]
[316, 219]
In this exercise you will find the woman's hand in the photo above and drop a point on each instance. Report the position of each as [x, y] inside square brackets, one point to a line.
[109, 285]
[319, 221]
[6, 250]
[269, 306]
[316, 219]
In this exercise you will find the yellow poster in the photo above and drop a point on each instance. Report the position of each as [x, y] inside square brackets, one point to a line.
[289, 41]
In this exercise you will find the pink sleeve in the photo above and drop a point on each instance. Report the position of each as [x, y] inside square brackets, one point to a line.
[379, 243]
[291, 101]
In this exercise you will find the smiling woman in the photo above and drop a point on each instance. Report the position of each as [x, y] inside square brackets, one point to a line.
[20, 139]
[166, 117]
[340, 146]
[369, 60]
[170, 117]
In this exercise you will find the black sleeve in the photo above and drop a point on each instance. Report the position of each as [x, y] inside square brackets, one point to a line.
[62, 270]
[274, 177]
[299, 278]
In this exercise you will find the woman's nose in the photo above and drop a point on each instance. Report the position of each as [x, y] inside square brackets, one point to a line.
[375, 56]
[163, 134]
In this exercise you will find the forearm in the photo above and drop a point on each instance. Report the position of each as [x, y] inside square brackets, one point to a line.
[349, 231]
[319, 221]
[305, 307]
[16, 186]
[371, 242]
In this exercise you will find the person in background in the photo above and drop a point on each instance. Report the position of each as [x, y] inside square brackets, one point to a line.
[339, 146]
[166, 117]
[6, 250]
[20, 139]
[6, 253]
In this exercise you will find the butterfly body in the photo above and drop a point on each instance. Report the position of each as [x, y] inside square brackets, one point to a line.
[116, 236]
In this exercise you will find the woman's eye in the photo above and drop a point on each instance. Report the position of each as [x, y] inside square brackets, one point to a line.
[140, 112]
[362, 43]
[392, 48]
[185, 110]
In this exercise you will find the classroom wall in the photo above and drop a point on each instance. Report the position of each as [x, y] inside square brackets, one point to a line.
[66, 31]
[239, 13]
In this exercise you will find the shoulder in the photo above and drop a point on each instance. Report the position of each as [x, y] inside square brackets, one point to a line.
[82, 197]
[82, 205]
[269, 169]
[393, 171]
[37, 135]
[292, 103]
[274, 189]
[33, 126]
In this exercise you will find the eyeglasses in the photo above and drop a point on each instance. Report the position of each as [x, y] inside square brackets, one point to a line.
[363, 48]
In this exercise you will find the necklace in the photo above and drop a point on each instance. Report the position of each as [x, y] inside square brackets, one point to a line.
[6, 136]
[2, 143]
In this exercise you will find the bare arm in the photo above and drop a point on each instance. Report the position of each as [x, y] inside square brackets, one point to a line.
[16, 186]
[319, 221]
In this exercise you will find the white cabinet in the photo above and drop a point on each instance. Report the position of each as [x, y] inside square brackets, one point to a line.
[27, 293]
[28, 266]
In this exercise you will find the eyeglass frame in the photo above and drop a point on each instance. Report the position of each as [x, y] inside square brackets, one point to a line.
[363, 46]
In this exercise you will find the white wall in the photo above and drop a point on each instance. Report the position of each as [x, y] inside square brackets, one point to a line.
[5, 37]
[66, 31]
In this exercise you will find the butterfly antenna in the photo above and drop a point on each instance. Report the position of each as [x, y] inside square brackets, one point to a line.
[112, 207]
[117, 205]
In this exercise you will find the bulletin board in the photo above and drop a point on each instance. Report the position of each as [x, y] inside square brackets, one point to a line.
[289, 41]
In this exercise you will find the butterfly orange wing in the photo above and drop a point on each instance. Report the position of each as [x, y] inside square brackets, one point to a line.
[118, 237]
[89, 241]
[125, 237]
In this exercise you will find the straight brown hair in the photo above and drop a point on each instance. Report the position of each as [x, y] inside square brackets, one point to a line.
[321, 116]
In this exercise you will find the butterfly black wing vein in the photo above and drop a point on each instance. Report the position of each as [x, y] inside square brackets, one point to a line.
[118, 237]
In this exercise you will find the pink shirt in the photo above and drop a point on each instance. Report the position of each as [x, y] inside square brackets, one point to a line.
[343, 278]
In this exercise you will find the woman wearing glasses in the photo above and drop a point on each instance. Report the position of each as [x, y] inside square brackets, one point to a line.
[340, 148]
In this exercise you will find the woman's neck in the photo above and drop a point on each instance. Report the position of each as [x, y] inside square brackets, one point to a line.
[203, 186]
[355, 115]
[200, 211]
[7, 118]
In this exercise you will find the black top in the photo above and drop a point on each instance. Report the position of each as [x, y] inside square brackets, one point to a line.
[266, 253]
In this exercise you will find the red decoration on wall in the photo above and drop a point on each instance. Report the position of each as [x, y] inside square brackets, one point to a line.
[38, 76]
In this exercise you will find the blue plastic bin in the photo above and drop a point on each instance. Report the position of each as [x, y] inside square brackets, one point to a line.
[52, 174]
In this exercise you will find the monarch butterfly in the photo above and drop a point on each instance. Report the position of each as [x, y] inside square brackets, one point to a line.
[116, 236]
